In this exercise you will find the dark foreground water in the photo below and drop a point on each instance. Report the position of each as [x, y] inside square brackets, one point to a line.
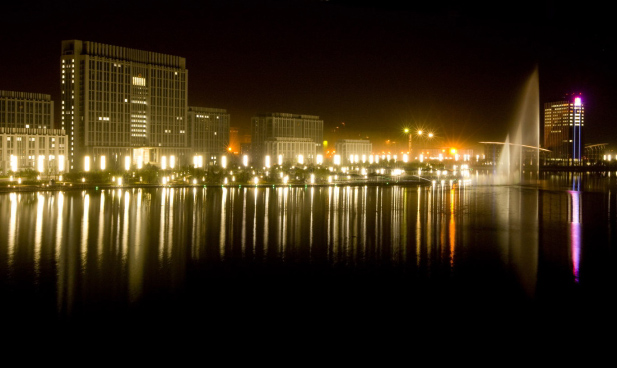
[368, 257]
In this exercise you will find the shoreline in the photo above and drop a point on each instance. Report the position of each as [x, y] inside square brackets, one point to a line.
[74, 187]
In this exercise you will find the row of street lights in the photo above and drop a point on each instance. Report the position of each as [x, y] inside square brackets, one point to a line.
[419, 133]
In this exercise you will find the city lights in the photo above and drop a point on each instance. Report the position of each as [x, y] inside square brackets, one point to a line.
[41, 164]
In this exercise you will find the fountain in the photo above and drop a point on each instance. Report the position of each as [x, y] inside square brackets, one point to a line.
[520, 151]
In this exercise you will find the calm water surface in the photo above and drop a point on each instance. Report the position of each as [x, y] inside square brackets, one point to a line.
[323, 251]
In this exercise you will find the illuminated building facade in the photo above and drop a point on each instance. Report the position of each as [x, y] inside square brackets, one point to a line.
[118, 101]
[291, 150]
[209, 132]
[353, 150]
[42, 150]
[284, 125]
[563, 130]
[26, 110]
[234, 141]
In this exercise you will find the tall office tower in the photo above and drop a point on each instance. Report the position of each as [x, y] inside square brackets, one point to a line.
[563, 130]
[26, 110]
[120, 102]
[283, 125]
[209, 133]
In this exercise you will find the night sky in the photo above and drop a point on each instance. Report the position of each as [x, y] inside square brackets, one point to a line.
[376, 66]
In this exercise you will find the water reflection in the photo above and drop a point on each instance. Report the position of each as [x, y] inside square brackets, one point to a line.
[575, 216]
[118, 246]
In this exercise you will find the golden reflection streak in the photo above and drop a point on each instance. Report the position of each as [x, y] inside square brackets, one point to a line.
[363, 224]
[164, 195]
[283, 244]
[12, 230]
[452, 228]
[442, 224]
[118, 233]
[311, 224]
[432, 203]
[135, 262]
[170, 225]
[336, 244]
[243, 231]
[223, 223]
[378, 220]
[101, 229]
[255, 221]
[395, 225]
[84, 232]
[345, 215]
[195, 228]
[60, 262]
[266, 217]
[125, 226]
[329, 222]
[38, 234]
[418, 229]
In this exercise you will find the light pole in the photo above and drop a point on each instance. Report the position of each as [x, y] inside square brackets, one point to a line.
[420, 133]
[408, 131]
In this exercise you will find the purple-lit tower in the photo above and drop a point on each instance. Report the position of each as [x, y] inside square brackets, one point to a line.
[563, 130]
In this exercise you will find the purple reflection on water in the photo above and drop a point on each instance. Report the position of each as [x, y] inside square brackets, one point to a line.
[575, 232]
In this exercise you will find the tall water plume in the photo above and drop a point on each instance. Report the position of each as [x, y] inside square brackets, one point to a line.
[521, 147]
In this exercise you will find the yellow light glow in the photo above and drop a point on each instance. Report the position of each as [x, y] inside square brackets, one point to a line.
[41, 164]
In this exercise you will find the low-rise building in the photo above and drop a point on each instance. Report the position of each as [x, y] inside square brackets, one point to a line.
[42, 150]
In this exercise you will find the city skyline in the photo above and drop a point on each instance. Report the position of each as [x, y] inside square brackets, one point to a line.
[379, 69]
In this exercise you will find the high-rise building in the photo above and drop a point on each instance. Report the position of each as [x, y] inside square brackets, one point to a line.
[26, 110]
[563, 130]
[209, 133]
[119, 102]
[284, 125]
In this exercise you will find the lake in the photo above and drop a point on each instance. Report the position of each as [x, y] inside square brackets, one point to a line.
[323, 254]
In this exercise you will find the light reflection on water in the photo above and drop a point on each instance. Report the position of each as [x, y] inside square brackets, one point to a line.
[119, 245]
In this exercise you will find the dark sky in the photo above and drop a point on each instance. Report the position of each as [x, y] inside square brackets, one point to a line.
[458, 69]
